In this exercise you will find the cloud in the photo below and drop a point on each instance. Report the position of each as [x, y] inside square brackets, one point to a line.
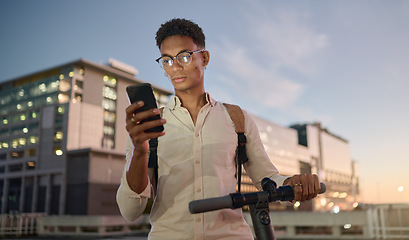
[260, 61]
[288, 40]
[257, 83]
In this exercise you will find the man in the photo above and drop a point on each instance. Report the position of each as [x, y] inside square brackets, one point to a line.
[196, 155]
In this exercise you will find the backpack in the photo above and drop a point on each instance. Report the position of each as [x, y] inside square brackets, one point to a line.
[237, 116]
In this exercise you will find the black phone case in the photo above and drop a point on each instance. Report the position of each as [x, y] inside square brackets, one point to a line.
[143, 92]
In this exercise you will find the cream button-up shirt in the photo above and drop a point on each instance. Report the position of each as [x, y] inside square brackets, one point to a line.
[197, 162]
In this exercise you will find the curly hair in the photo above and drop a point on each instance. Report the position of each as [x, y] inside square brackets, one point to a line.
[183, 27]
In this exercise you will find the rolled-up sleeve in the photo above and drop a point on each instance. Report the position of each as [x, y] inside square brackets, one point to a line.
[131, 204]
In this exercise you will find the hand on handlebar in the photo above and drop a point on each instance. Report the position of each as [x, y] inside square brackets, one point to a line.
[306, 186]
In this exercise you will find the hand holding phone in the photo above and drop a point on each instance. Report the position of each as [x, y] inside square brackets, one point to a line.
[143, 92]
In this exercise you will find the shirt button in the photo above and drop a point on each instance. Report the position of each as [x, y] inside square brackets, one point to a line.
[197, 162]
[198, 219]
[198, 190]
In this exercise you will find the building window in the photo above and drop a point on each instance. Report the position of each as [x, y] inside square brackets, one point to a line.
[77, 97]
[16, 168]
[5, 120]
[32, 152]
[30, 165]
[17, 154]
[58, 151]
[109, 93]
[33, 140]
[109, 105]
[109, 117]
[4, 144]
[58, 135]
[4, 132]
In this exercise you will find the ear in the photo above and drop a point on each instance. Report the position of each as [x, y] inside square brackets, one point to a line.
[206, 58]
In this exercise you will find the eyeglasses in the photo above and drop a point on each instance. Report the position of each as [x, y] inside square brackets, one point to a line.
[183, 58]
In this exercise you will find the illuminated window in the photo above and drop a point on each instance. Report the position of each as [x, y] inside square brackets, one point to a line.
[109, 117]
[109, 105]
[34, 114]
[108, 130]
[5, 121]
[31, 165]
[64, 86]
[63, 98]
[60, 110]
[109, 92]
[17, 154]
[109, 81]
[4, 144]
[58, 136]
[21, 93]
[42, 87]
[58, 151]
[61, 76]
[71, 74]
[33, 140]
[108, 142]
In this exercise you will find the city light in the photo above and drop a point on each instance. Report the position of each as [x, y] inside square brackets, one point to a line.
[58, 152]
[347, 226]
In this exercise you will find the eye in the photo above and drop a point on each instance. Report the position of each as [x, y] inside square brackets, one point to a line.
[167, 61]
[184, 57]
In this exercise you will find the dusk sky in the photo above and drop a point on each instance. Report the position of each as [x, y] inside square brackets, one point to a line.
[342, 63]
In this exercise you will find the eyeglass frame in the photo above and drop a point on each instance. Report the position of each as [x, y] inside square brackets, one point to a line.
[172, 58]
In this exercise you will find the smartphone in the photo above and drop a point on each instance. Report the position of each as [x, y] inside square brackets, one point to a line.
[143, 92]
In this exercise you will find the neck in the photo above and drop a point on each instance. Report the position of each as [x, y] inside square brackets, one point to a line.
[192, 102]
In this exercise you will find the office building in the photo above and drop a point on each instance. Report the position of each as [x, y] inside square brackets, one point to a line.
[62, 138]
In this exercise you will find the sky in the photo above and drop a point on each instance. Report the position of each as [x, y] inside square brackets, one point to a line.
[342, 63]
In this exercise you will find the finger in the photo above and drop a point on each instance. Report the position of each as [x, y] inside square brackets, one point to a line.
[317, 185]
[132, 108]
[142, 116]
[312, 190]
[151, 124]
[305, 187]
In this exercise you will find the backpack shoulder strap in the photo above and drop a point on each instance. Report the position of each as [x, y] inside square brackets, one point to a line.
[237, 116]
[153, 158]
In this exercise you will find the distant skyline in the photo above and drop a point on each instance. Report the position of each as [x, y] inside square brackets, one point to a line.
[342, 63]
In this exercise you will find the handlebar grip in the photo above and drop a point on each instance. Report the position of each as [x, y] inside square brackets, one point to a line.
[323, 188]
[210, 204]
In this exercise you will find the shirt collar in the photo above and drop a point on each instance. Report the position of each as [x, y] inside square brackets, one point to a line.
[175, 102]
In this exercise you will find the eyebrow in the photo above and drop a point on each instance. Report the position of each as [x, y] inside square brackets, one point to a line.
[167, 55]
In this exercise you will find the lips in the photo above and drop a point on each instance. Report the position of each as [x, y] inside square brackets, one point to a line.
[179, 79]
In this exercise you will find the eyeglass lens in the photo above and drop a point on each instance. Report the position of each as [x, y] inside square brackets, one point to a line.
[183, 58]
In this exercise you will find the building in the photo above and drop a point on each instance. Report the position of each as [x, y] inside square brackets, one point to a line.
[329, 157]
[310, 148]
[62, 138]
